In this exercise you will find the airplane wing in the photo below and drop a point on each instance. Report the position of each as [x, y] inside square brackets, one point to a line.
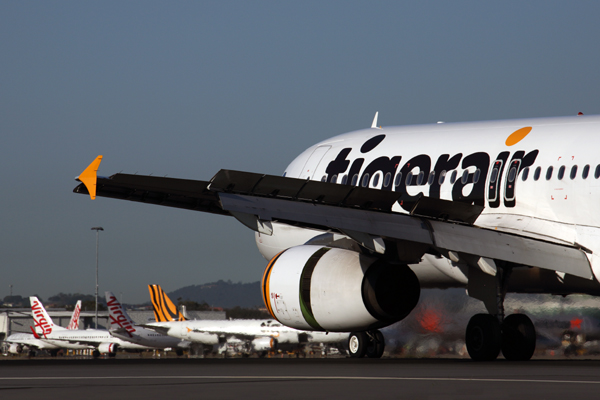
[363, 214]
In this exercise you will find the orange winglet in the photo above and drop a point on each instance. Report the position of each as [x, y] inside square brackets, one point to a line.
[89, 177]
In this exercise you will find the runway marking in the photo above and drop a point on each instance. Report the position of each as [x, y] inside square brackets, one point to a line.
[282, 377]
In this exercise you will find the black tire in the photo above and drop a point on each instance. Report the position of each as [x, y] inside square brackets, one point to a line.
[179, 352]
[483, 337]
[376, 345]
[357, 344]
[95, 353]
[518, 338]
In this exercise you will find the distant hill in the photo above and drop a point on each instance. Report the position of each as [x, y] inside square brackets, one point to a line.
[221, 294]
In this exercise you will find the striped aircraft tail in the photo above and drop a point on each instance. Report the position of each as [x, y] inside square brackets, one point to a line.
[164, 309]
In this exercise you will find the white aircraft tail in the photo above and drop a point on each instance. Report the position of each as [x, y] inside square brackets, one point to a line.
[118, 316]
[74, 323]
[43, 323]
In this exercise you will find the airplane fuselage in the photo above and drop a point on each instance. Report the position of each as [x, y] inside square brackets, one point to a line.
[537, 178]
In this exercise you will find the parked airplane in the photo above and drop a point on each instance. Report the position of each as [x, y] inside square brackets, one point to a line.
[123, 327]
[246, 336]
[360, 222]
[99, 339]
[19, 341]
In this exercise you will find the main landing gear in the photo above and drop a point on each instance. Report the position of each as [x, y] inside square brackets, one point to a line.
[486, 337]
[369, 343]
[488, 334]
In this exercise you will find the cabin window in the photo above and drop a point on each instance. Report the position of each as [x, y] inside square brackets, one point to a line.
[477, 175]
[324, 178]
[586, 171]
[536, 174]
[549, 173]
[344, 179]
[597, 173]
[375, 180]
[334, 179]
[573, 171]
[494, 175]
[465, 177]
[398, 179]
[442, 177]
[421, 178]
[431, 178]
[387, 179]
[354, 180]
[453, 177]
[561, 172]
[365, 180]
[525, 174]
[512, 174]
[409, 177]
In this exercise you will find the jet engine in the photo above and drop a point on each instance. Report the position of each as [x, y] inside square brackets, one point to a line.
[110, 348]
[264, 344]
[15, 348]
[329, 289]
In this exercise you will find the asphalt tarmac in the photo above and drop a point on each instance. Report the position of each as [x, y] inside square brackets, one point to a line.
[297, 379]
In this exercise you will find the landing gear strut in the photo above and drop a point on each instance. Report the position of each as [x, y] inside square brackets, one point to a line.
[369, 343]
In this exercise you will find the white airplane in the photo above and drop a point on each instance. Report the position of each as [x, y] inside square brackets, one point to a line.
[246, 336]
[360, 222]
[20, 341]
[99, 339]
[123, 327]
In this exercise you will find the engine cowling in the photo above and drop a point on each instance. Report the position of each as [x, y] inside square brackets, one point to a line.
[330, 289]
[110, 348]
[264, 344]
[15, 348]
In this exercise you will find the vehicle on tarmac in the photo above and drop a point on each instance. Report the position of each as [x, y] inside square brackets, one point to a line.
[19, 342]
[99, 339]
[123, 327]
[245, 336]
[359, 223]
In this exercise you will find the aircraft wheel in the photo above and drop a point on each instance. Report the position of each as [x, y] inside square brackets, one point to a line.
[483, 337]
[376, 345]
[518, 337]
[357, 344]
[179, 352]
[32, 353]
[95, 354]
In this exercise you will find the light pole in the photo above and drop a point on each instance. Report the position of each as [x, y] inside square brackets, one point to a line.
[97, 229]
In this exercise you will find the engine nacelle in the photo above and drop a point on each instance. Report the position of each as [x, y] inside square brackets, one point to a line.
[15, 348]
[329, 289]
[264, 344]
[110, 348]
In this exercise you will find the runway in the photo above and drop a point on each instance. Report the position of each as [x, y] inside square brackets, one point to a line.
[298, 379]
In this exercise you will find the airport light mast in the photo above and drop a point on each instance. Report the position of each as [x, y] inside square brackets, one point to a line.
[97, 229]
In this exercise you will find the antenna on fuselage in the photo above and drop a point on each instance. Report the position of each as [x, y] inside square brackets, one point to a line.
[374, 124]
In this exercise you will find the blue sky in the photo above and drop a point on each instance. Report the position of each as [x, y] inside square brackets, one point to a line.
[186, 88]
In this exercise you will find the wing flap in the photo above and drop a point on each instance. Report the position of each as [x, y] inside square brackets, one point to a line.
[438, 234]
